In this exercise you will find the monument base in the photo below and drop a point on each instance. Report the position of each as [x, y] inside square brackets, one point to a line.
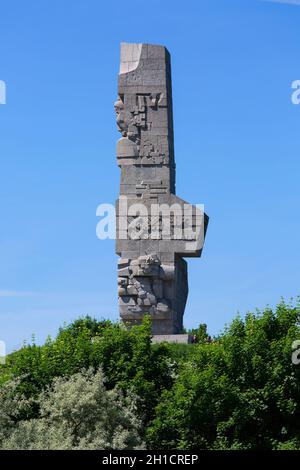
[182, 339]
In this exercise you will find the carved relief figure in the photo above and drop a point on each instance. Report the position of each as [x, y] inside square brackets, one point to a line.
[152, 274]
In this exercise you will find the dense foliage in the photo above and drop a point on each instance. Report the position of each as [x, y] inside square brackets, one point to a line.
[74, 413]
[99, 385]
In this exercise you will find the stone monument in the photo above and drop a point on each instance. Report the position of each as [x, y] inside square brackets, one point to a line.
[156, 229]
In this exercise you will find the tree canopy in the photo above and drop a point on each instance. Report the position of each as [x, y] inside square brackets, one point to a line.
[239, 390]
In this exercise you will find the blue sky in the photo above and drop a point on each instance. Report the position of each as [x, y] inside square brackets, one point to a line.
[237, 151]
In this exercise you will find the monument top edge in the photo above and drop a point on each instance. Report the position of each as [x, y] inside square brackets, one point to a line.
[141, 44]
[132, 53]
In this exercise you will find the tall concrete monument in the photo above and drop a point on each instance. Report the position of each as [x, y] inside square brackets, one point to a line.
[156, 229]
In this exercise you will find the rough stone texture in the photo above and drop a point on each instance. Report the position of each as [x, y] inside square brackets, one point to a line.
[183, 339]
[152, 274]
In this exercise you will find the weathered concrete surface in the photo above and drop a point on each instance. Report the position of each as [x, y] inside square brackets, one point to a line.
[179, 338]
[152, 244]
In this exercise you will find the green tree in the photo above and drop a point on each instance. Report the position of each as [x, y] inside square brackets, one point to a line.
[201, 333]
[241, 391]
[74, 413]
[125, 355]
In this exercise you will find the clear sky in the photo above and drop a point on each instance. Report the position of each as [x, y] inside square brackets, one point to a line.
[236, 140]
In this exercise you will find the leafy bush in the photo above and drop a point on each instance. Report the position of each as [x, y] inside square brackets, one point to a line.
[126, 357]
[239, 392]
[74, 413]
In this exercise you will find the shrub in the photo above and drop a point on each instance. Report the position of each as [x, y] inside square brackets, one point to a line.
[241, 391]
[74, 413]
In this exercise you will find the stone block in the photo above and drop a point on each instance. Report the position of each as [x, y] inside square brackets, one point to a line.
[156, 52]
[179, 338]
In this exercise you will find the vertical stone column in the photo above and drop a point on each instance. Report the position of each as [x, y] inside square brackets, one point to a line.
[155, 228]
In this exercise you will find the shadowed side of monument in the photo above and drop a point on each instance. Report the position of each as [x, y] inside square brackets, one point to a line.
[155, 228]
